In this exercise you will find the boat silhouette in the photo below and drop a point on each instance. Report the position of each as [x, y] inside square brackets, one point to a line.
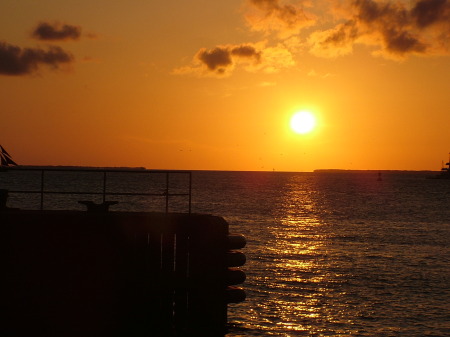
[445, 171]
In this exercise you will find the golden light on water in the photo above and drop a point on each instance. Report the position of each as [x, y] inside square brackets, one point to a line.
[330, 265]
[306, 291]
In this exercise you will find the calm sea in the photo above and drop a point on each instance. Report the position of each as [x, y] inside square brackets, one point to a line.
[328, 254]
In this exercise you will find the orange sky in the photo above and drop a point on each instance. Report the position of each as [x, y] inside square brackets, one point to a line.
[212, 85]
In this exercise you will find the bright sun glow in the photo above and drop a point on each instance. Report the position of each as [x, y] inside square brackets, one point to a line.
[303, 122]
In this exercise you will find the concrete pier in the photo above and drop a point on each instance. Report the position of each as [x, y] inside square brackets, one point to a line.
[74, 273]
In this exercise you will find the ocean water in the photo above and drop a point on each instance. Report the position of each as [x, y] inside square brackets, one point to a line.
[333, 254]
[328, 254]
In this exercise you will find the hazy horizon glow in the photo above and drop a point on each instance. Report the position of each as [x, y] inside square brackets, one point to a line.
[190, 85]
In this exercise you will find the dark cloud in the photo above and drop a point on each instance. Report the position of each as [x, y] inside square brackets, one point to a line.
[372, 12]
[401, 42]
[222, 58]
[56, 32]
[428, 12]
[403, 30]
[216, 59]
[392, 22]
[423, 28]
[246, 51]
[16, 61]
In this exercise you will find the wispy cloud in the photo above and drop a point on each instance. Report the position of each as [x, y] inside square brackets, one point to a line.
[45, 31]
[274, 16]
[313, 73]
[16, 61]
[267, 84]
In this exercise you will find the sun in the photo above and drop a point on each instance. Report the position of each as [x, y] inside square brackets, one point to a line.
[303, 122]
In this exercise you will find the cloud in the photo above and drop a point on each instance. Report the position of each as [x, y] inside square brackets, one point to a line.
[216, 60]
[276, 58]
[393, 29]
[398, 30]
[16, 61]
[56, 32]
[246, 51]
[222, 60]
[272, 16]
[334, 42]
[267, 84]
[430, 12]
[313, 73]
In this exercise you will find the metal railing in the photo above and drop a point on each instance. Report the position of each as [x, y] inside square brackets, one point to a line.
[105, 172]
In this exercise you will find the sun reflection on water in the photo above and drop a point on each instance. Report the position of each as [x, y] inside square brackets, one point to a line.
[299, 293]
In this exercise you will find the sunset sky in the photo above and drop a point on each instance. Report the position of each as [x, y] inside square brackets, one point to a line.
[199, 84]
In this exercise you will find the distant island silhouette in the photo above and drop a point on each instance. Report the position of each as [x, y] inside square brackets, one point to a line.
[351, 170]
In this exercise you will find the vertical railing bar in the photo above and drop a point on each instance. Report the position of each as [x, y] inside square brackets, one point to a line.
[174, 252]
[167, 192]
[104, 186]
[161, 252]
[190, 191]
[42, 190]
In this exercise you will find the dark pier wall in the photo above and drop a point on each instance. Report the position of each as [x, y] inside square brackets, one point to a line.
[113, 274]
